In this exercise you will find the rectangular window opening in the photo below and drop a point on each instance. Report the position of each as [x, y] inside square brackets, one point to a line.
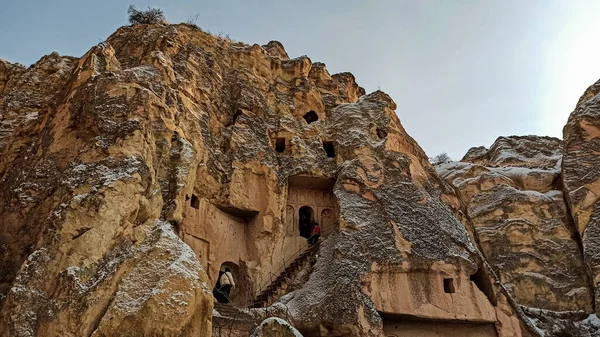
[329, 149]
[449, 286]
[280, 145]
[195, 202]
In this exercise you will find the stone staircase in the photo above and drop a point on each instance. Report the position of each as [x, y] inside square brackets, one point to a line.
[231, 321]
[280, 286]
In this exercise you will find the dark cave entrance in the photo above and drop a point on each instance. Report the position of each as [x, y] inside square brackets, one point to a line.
[482, 281]
[449, 286]
[311, 116]
[280, 145]
[329, 149]
[306, 218]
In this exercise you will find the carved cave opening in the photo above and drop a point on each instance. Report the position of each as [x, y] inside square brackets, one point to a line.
[482, 281]
[237, 114]
[311, 116]
[280, 145]
[305, 220]
[310, 200]
[449, 286]
[329, 149]
[239, 295]
[381, 133]
[195, 203]
[395, 325]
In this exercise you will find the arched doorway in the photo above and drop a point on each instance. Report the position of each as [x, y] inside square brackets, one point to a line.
[223, 293]
[305, 220]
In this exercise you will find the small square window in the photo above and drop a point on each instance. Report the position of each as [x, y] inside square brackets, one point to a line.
[280, 145]
[195, 202]
[449, 286]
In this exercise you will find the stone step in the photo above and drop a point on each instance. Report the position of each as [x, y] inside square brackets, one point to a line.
[229, 311]
[278, 287]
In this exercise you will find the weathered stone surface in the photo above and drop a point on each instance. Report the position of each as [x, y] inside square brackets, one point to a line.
[26, 96]
[519, 151]
[275, 327]
[81, 199]
[513, 200]
[564, 324]
[166, 129]
[8, 71]
[581, 171]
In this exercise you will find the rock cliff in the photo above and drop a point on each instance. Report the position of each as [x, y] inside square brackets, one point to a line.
[132, 176]
[513, 198]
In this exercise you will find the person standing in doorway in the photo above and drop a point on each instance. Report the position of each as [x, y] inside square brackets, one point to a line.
[316, 234]
[227, 283]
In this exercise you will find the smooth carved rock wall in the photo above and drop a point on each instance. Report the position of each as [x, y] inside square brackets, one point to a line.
[422, 295]
[407, 328]
[321, 201]
[215, 236]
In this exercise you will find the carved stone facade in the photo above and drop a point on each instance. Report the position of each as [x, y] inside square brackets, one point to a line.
[219, 239]
[322, 203]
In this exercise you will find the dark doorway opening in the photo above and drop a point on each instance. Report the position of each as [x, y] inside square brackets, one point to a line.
[280, 145]
[329, 149]
[236, 115]
[195, 202]
[449, 286]
[225, 287]
[482, 281]
[305, 221]
[311, 116]
[381, 133]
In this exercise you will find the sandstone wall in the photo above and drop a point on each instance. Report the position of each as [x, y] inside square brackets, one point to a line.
[85, 250]
[512, 198]
[156, 154]
[581, 172]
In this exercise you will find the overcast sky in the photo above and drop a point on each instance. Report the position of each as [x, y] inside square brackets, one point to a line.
[462, 72]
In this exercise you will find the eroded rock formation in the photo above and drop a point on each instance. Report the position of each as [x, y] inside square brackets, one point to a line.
[581, 172]
[512, 198]
[133, 175]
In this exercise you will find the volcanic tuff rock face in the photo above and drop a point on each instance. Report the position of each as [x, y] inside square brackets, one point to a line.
[581, 171]
[512, 198]
[130, 176]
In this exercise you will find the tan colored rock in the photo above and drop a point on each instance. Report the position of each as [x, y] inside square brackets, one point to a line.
[168, 129]
[275, 327]
[512, 198]
[581, 171]
[81, 195]
[8, 71]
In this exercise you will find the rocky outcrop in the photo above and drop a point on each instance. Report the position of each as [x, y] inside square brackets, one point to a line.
[166, 154]
[581, 172]
[27, 95]
[8, 71]
[275, 327]
[512, 196]
[518, 151]
[84, 248]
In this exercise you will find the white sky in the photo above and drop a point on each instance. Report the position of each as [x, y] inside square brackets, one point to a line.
[462, 72]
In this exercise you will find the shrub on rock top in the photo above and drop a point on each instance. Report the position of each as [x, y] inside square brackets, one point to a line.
[147, 17]
[441, 158]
